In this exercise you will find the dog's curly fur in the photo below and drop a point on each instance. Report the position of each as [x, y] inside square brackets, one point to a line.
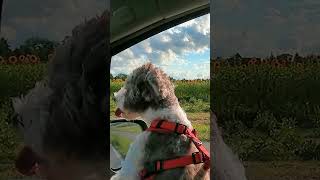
[62, 119]
[148, 87]
[149, 93]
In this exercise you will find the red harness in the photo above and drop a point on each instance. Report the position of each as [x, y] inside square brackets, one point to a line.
[164, 126]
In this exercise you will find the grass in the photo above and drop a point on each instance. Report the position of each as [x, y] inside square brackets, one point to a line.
[120, 143]
[134, 128]
[203, 131]
[194, 99]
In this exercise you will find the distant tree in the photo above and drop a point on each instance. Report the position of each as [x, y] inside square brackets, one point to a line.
[297, 57]
[121, 76]
[38, 46]
[271, 56]
[237, 56]
[111, 76]
[4, 47]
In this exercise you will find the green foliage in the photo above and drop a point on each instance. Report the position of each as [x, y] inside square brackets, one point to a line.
[18, 79]
[264, 109]
[286, 92]
[4, 47]
[8, 137]
[40, 47]
[121, 76]
[193, 95]
[120, 143]
[309, 150]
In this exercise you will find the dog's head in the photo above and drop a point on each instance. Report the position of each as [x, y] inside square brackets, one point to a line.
[146, 87]
[62, 117]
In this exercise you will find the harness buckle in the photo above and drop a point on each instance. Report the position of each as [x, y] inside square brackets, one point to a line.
[151, 168]
[180, 128]
[198, 143]
[197, 157]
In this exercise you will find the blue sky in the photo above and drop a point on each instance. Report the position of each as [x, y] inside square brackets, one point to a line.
[258, 27]
[182, 51]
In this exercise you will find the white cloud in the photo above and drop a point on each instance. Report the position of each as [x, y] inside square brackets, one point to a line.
[169, 48]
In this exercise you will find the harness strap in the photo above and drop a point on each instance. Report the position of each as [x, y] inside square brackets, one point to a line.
[164, 126]
[161, 165]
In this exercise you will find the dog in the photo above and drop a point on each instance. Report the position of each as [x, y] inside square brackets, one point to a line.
[225, 164]
[149, 94]
[62, 119]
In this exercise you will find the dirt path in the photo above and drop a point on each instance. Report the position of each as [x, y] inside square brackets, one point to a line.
[283, 170]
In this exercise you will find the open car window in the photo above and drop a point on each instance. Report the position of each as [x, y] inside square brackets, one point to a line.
[183, 53]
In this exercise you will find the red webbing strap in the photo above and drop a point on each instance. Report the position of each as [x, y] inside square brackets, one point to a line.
[164, 126]
[200, 147]
[157, 166]
[195, 158]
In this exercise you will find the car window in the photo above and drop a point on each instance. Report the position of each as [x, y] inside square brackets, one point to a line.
[183, 53]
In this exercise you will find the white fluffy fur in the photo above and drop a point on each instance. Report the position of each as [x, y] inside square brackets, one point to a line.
[32, 107]
[226, 165]
[133, 164]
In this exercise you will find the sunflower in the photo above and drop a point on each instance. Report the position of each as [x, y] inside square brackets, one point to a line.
[252, 62]
[23, 59]
[2, 60]
[34, 59]
[13, 60]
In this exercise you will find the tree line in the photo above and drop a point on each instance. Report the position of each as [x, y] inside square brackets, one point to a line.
[37, 46]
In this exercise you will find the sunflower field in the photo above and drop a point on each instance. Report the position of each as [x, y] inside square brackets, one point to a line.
[269, 109]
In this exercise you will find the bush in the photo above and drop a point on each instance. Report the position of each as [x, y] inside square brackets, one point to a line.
[8, 136]
[309, 150]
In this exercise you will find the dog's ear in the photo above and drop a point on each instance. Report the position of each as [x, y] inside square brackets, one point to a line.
[152, 89]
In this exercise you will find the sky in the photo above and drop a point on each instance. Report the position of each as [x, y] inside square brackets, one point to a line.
[52, 19]
[259, 27]
[183, 51]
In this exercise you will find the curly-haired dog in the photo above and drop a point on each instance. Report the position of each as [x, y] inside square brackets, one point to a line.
[149, 94]
[225, 164]
[62, 119]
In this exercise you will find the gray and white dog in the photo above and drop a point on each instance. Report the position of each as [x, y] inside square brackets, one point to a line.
[63, 118]
[149, 94]
[225, 164]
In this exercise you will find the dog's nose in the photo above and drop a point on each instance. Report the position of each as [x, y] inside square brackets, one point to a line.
[118, 112]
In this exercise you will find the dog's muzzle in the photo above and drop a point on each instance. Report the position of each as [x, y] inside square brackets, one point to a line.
[118, 112]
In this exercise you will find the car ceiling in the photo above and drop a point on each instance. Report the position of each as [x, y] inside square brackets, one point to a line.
[131, 16]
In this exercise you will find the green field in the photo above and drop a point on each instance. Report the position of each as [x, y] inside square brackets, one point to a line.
[194, 98]
[14, 81]
[18, 79]
[271, 117]
[270, 113]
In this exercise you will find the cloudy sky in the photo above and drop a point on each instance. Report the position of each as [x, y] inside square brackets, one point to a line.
[182, 51]
[257, 27]
[52, 19]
